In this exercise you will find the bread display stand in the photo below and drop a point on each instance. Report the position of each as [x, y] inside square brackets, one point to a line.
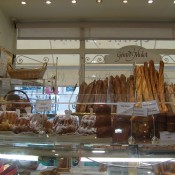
[116, 144]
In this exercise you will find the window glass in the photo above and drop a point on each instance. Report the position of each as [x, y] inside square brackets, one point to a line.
[117, 44]
[48, 44]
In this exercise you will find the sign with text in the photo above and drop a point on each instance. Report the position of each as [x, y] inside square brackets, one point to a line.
[145, 109]
[43, 105]
[130, 55]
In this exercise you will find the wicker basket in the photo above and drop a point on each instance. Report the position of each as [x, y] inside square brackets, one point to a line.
[26, 74]
[17, 99]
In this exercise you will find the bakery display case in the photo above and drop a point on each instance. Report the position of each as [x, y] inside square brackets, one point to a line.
[122, 124]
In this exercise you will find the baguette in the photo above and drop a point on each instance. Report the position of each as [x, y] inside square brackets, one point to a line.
[138, 79]
[148, 81]
[80, 96]
[123, 88]
[117, 89]
[86, 97]
[104, 90]
[153, 85]
[131, 89]
[161, 88]
[145, 90]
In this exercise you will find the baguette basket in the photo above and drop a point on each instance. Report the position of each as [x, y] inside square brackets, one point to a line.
[26, 74]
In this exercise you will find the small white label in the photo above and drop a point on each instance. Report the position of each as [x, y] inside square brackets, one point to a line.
[125, 108]
[43, 105]
[165, 135]
[18, 112]
[3, 107]
[28, 109]
[151, 106]
[147, 108]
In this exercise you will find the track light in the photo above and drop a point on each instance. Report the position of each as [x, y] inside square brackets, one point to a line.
[74, 1]
[99, 1]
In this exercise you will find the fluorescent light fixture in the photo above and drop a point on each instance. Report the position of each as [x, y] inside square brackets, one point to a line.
[105, 159]
[98, 151]
[19, 157]
[48, 2]
[23, 2]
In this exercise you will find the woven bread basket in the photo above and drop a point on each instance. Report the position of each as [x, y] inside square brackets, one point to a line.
[27, 74]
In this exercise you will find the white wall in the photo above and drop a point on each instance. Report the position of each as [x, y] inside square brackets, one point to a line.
[7, 33]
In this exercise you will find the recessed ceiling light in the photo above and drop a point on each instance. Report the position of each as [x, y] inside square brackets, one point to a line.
[125, 1]
[99, 1]
[150, 1]
[174, 2]
[74, 1]
[23, 2]
[48, 2]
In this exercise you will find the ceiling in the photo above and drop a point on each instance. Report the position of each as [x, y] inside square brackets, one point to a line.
[89, 10]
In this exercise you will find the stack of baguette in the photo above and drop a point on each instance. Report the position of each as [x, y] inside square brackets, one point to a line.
[146, 84]
[150, 84]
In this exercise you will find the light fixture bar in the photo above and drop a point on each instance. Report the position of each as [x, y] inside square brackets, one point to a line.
[19, 157]
[105, 159]
[98, 151]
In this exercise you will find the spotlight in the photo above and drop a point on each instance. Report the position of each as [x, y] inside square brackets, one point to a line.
[48, 2]
[150, 1]
[99, 1]
[74, 1]
[23, 2]
[125, 1]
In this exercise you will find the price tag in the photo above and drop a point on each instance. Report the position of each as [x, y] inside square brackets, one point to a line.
[151, 106]
[3, 107]
[43, 105]
[18, 112]
[165, 135]
[28, 109]
[140, 112]
[125, 108]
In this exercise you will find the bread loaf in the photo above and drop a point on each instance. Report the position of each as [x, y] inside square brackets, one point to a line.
[153, 84]
[161, 90]
[148, 81]
[117, 89]
[123, 88]
[145, 91]
[81, 96]
[86, 97]
[131, 92]
[138, 79]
